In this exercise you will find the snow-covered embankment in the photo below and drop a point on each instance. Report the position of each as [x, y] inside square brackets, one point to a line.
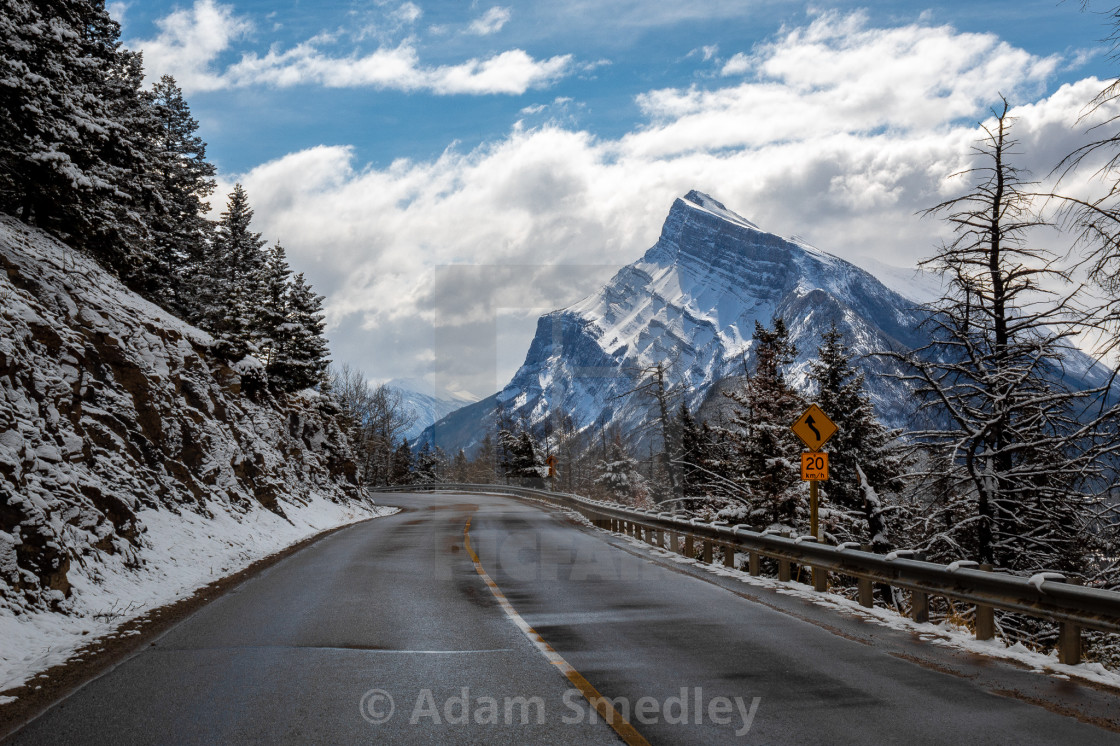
[133, 467]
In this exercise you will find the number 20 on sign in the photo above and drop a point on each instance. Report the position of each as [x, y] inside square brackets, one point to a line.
[814, 466]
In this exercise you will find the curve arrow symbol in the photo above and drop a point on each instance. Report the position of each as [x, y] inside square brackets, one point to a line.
[811, 424]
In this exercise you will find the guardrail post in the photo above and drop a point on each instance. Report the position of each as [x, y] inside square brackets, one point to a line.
[689, 547]
[820, 578]
[754, 563]
[707, 552]
[783, 570]
[651, 536]
[1069, 639]
[728, 556]
[674, 542]
[919, 606]
[866, 588]
[985, 622]
[985, 617]
[1069, 643]
[866, 593]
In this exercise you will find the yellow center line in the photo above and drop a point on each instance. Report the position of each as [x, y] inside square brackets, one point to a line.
[601, 704]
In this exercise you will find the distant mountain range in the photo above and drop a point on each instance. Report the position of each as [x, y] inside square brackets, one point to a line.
[425, 404]
[691, 302]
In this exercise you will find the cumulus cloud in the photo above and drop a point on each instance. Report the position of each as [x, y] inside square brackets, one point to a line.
[737, 65]
[399, 68]
[839, 75]
[491, 21]
[407, 13]
[847, 132]
[191, 42]
[117, 11]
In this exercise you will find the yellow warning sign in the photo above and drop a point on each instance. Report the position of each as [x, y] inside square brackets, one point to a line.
[814, 466]
[814, 428]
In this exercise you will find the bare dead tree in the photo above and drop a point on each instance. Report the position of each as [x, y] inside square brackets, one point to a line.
[1010, 428]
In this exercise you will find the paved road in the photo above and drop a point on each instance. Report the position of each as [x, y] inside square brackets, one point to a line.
[311, 649]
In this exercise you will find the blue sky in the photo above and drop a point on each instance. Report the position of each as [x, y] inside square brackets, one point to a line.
[446, 171]
[618, 51]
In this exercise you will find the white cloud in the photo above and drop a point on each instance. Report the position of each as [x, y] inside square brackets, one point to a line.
[847, 134]
[737, 65]
[491, 21]
[117, 11]
[191, 41]
[839, 75]
[188, 43]
[407, 13]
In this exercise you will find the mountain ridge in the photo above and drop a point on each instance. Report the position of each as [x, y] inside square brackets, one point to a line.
[692, 299]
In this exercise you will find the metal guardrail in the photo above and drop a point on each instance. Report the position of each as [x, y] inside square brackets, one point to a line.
[1046, 596]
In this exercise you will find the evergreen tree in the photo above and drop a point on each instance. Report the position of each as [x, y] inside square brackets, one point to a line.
[270, 327]
[618, 473]
[460, 468]
[401, 467]
[766, 452]
[74, 137]
[695, 447]
[235, 288]
[427, 466]
[521, 454]
[861, 444]
[183, 181]
[300, 357]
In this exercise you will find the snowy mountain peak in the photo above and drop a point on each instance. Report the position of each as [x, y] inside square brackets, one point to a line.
[704, 202]
[692, 302]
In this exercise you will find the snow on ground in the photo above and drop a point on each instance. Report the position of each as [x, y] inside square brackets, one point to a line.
[942, 633]
[182, 553]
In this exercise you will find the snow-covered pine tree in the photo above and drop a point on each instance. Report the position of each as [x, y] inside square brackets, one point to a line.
[426, 469]
[401, 469]
[73, 128]
[522, 461]
[300, 357]
[861, 445]
[767, 455]
[618, 472]
[270, 325]
[460, 467]
[184, 179]
[235, 271]
[1005, 420]
[695, 457]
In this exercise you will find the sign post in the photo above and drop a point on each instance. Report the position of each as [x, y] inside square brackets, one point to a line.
[551, 461]
[814, 428]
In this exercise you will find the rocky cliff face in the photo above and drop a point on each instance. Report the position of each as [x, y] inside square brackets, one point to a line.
[691, 302]
[110, 409]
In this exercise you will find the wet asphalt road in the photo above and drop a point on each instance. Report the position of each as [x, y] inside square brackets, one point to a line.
[313, 648]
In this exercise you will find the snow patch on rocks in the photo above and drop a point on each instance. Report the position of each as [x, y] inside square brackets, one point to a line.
[135, 466]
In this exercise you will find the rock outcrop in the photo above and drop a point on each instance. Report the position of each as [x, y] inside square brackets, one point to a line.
[110, 406]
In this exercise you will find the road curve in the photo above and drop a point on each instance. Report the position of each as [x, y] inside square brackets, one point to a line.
[388, 631]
